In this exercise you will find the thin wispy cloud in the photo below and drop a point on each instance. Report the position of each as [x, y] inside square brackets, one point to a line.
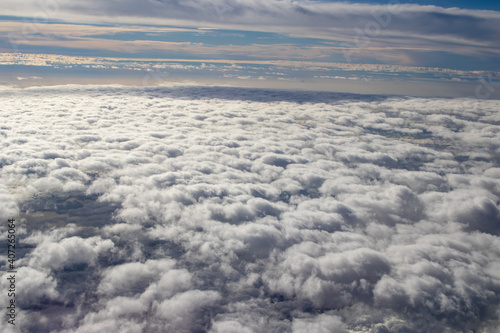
[407, 34]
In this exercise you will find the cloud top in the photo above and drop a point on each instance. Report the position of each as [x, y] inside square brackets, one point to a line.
[219, 209]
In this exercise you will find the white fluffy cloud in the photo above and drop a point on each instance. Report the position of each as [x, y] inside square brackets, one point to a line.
[69, 252]
[322, 324]
[222, 210]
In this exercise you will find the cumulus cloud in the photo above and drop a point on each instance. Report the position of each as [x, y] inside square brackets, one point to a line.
[9, 206]
[69, 252]
[215, 209]
[324, 323]
[35, 287]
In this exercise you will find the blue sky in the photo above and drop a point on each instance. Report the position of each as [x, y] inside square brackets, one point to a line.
[480, 4]
[456, 36]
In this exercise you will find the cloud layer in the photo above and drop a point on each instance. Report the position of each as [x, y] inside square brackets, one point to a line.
[392, 34]
[196, 209]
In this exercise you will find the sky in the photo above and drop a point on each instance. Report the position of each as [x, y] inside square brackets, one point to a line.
[249, 166]
[465, 4]
[285, 44]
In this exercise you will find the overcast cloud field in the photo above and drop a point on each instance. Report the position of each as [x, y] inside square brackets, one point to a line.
[217, 209]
